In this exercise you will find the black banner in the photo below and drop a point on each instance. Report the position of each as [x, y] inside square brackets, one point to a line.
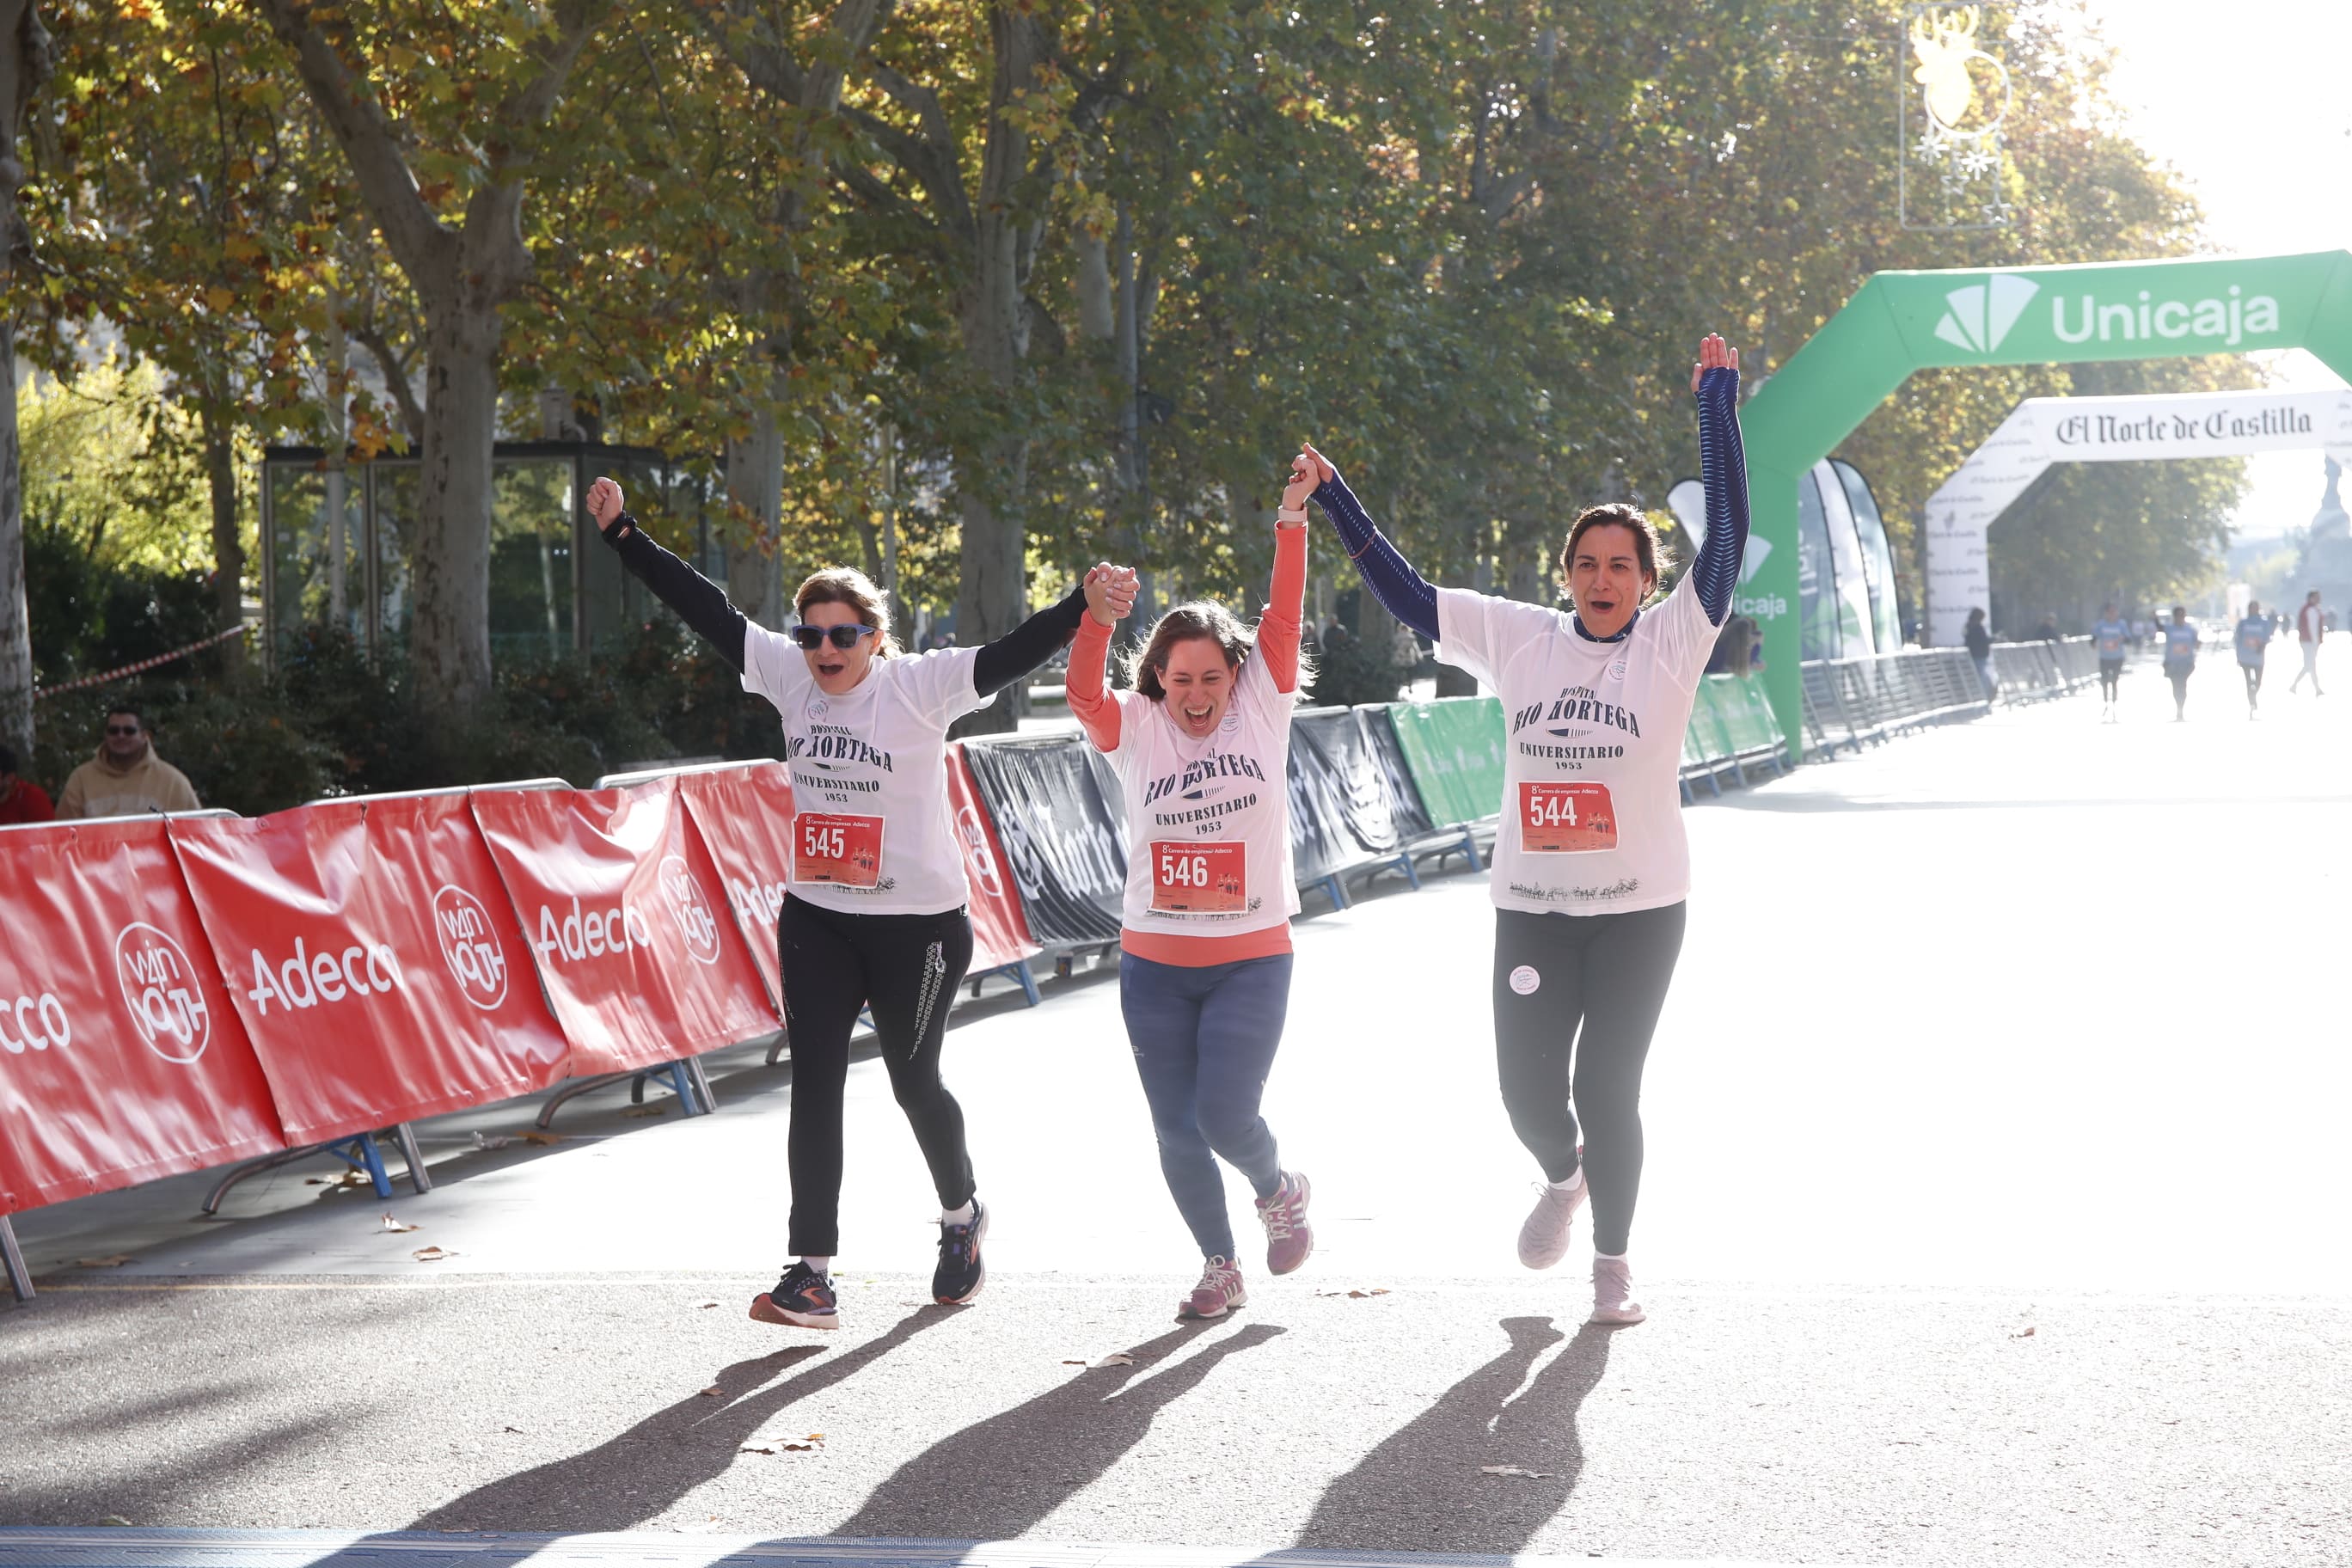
[1411, 818]
[1340, 815]
[1067, 853]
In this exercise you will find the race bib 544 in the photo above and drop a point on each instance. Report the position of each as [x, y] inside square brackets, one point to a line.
[1565, 818]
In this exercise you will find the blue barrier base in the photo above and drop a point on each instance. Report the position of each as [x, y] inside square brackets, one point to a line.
[1017, 972]
[358, 1151]
[20, 1280]
[685, 1077]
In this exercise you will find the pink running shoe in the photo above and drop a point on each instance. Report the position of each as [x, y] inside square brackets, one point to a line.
[1543, 1235]
[1288, 1237]
[1612, 1293]
[1219, 1292]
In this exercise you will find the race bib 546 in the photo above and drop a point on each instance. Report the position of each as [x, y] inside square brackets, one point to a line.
[1200, 878]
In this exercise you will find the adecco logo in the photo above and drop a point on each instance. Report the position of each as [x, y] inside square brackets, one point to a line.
[307, 979]
[976, 857]
[1980, 315]
[41, 1024]
[690, 908]
[470, 947]
[591, 933]
[757, 904]
[160, 988]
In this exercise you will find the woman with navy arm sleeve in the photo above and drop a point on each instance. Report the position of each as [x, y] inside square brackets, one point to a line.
[1591, 865]
[876, 915]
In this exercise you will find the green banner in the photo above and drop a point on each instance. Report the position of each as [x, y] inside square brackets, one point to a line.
[1455, 747]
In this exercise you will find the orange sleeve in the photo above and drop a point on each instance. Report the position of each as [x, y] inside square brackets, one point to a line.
[1277, 629]
[1090, 701]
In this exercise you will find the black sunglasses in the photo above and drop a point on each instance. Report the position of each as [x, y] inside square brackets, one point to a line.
[123, 729]
[843, 636]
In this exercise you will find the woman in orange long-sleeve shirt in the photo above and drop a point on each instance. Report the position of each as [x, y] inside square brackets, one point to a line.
[1202, 746]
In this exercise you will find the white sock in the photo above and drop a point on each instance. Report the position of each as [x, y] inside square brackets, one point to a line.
[958, 1217]
[1608, 1258]
[1570, 1185]
[822, 1265]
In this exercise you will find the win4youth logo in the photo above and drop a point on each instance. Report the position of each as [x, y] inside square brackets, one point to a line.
[1978, 316]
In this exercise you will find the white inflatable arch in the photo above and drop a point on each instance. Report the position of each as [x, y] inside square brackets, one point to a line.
[2040, 431]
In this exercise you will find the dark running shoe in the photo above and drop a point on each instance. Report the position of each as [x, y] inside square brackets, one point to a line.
[803, 1299]
[961, 1274]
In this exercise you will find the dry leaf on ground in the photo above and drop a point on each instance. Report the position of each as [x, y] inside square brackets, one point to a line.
[431, 1254]
[705, 1306]
[491, 1139]
[808, 1444]
[516, 1431]
[318, 1181]
[646, 1111]
[117, 1261]
[355, 1179]
[397, 1226]
[542, 1139]
[1357, 1295]
[714, 1392]
[1515, 1471]
[2025, 1333]
[1116, 1358]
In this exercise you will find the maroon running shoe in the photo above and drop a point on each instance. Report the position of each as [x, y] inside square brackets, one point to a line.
[1219, 1292]
[1288, 1237]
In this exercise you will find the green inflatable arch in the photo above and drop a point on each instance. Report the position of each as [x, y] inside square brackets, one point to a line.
[1902, 321]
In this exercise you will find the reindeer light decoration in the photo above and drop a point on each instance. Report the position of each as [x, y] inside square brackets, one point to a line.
[1966, 94]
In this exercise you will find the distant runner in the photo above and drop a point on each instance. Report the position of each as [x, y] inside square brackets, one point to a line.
[2310, 630]
[2112, 636]
[2254, 638]
[2179, 660]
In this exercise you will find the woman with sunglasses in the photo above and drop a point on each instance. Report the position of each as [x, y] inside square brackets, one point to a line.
[876, 915]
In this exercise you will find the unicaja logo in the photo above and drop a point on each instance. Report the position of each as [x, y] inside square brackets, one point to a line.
[1978, 316]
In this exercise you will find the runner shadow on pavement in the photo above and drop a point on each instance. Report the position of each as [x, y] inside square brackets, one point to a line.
[964, 1488]
[1425, 1487]
[638, 1474]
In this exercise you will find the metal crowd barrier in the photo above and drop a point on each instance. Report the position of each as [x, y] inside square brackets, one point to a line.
[1853, 702]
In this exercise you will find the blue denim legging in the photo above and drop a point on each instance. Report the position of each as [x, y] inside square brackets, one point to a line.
[1204, 1041]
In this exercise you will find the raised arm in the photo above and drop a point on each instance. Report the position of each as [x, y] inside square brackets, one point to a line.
[700, 601]
[1110, 594]
[1390, 577]
[1001, 663]
[1285, 602]
[1723, 470]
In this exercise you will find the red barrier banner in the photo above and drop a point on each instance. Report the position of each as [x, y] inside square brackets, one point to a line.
[1000, 930]
[121, 1059]
[745, 819]
[622, 908]
[371, 951]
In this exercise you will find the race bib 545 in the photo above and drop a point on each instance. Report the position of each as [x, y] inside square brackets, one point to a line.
[840, 849]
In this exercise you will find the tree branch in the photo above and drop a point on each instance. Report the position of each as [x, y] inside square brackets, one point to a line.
[395, 376]
[427, 248]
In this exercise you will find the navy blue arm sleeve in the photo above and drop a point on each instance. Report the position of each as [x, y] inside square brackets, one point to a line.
[1025, 647]
[700, 601]
[1399, 589]
[1723, 470]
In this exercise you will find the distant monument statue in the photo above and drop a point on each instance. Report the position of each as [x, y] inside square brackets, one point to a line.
[2326, 563]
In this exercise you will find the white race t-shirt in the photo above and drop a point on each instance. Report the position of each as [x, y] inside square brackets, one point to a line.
[1591, 811]
[871, 833]
[1208, 822]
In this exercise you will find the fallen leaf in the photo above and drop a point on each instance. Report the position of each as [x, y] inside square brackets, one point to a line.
[117, 1261]
[808, 1444]
[431, 1254]
[491, 1141]
[516, 1431]
[1515, 1471]
[1116, 1358]
[646, 1111]
[705, 1306]
[397, 1226]
[355, 1179]
[1357, 1295]
[542, 1139]
[2025, 1333]
[316, 1181]
[116, 1519]
[714, 1392]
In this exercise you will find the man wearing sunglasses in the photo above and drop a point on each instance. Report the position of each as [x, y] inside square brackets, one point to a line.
[126, 778]
[875, 916]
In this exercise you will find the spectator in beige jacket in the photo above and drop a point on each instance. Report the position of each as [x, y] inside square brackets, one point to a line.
[126, 778]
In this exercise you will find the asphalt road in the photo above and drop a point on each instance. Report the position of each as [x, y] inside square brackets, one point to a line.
[1993, 1213]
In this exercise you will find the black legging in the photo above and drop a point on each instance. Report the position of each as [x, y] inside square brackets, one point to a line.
[1608, 972]
[2254, 673]
[907, 968]
[2111, 675]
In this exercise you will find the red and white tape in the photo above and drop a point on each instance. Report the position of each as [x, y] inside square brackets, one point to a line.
[218, 636]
